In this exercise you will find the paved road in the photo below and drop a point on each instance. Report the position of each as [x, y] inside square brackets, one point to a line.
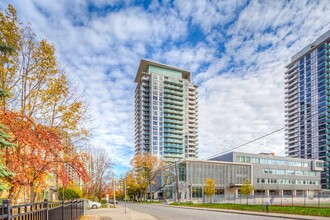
[170, 213]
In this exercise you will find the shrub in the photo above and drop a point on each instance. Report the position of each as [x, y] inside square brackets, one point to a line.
[68, 194]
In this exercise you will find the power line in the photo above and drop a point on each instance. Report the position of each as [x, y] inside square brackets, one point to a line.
[246, 143]
[256, 139]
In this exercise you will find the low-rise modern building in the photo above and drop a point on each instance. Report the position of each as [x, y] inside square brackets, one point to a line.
[192, 175]
[282, 176]
[270, 176]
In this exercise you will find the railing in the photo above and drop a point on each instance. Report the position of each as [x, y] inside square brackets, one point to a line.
[179, 88]
[168, 125]
[173, 131]
[173, 121]
[173, 116]
[70, 210]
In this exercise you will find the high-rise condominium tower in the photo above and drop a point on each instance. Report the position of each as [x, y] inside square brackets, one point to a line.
[166, 112]
[307, 104]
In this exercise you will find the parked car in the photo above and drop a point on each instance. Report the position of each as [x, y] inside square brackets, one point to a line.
[111, 201]
[94, 205]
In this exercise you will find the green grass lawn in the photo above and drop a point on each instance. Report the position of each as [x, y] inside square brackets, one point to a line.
[295, 210]
[151, 202]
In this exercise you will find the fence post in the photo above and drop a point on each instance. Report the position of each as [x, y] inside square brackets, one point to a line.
[318, 198]
[84, 208]
[235, 198]
[7, 210]
[63, 210]
[76, 208]
[71, 205]
[46, 207]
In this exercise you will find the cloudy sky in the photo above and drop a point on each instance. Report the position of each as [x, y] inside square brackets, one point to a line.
[236, 49]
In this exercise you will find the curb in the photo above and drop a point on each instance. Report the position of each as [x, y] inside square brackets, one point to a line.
[90, 217]
[277, 215]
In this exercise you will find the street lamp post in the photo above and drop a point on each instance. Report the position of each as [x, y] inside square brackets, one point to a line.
[114, 190]
[190, 192]
[177, 183]
[125, 194]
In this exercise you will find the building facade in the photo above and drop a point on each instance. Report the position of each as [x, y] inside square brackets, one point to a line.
[166, 112]
[279, 176]
[228, 177]
[307, 104]
[271, 176]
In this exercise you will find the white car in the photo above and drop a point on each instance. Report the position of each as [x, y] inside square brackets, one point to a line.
[94, 205]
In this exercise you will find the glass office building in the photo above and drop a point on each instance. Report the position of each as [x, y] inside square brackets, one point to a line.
[228, 178]
[270, 176]
[280, 176]
[166, 112]
[307, 104]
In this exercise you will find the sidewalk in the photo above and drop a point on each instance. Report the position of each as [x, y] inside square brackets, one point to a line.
[269, 214]
[117, 213]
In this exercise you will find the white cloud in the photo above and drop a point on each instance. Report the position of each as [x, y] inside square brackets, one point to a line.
[247, 100]
[208, 14]
[186, 57]
[235, 109]
[238, 60]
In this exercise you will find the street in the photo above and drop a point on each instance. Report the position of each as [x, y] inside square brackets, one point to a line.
[171, 213]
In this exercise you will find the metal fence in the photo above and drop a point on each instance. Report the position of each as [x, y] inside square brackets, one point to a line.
[313, 200]
[69, 210]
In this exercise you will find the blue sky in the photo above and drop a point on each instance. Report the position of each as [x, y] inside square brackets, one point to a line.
[236, 50]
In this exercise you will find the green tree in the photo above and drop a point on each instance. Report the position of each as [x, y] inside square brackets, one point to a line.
[68, 194]
[246, 189]
[4, 143]
[4, 136]
[5, 48]
[209, 187]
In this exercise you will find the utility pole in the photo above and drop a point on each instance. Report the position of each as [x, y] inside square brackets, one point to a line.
[177, 182]
[125, 194]
[114, 189]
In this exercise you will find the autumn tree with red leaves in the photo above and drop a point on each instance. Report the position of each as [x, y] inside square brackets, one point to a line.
[38, 152]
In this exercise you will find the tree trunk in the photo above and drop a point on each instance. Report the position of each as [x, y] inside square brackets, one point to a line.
[17, 195]
[150, 191]
[31, 193]
[10, 193]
